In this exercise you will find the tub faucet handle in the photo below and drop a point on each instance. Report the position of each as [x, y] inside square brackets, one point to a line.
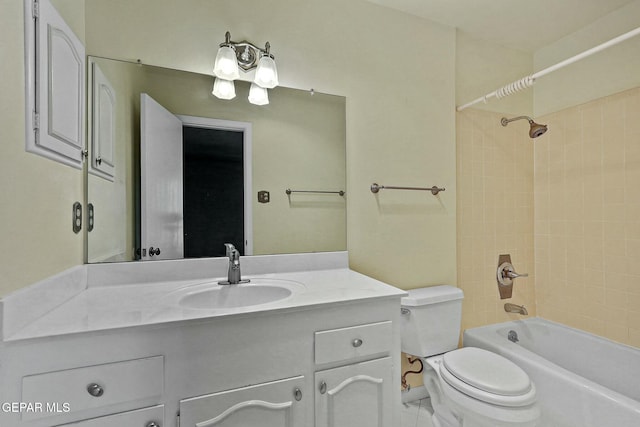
[512, 274]
[506, 274]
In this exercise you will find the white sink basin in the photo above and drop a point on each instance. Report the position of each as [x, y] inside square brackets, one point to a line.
[211, 296]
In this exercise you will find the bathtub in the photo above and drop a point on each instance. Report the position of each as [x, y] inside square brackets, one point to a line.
[581, 380]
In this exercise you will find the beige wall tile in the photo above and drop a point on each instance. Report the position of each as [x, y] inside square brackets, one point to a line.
[499, 193]
[588, 237]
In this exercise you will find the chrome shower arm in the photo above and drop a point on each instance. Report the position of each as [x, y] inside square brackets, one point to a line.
[506, 121]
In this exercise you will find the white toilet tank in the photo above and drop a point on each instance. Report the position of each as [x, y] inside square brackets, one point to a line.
[432, 323]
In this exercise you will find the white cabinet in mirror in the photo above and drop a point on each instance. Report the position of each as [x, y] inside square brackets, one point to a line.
[103, 123]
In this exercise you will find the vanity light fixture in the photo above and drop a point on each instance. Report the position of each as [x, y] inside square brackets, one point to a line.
[266, 71]
[233, 56]
[258, 95]
[224, 89]
[226, 65]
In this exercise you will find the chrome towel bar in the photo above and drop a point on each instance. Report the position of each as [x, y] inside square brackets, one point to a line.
[289, 191]
[377, 187]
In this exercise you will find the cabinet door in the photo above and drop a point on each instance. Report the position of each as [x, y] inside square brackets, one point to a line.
[103, 125]
[357, 395]
[275, 404]
[55, 86]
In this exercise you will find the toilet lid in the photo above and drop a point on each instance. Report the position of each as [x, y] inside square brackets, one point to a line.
[486, 371]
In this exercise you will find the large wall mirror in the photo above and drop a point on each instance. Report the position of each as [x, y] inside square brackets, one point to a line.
[175, 172]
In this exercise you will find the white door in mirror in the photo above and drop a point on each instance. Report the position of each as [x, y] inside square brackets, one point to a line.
[161, 188]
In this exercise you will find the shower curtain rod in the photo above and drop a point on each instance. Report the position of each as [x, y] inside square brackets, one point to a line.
[528, 81]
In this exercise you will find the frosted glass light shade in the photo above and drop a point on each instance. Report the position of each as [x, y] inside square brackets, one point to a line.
[266, 73]
[226, 65]
[224, 89]
[258, 95]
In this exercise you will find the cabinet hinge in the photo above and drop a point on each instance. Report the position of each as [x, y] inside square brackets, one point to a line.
[36, 120]
[36, 9]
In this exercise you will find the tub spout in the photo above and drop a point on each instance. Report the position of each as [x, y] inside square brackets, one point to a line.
[514, 308]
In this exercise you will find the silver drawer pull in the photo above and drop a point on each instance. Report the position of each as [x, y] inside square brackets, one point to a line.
[297, 394]
[95, 390]
[357, 342]
[323, 387]
[153, 424]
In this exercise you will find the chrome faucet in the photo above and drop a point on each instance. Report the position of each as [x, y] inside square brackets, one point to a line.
[233, 274]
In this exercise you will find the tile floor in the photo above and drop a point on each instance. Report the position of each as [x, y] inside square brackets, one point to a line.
[416, 414]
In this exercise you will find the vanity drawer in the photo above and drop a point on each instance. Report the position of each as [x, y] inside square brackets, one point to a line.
[146, 417]
[91, 387]
[356, 341]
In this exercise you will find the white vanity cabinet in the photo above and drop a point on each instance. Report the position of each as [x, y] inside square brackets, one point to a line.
[357, 395]
[147, 417]
[276, 404]
[329, 361]
[90, 388]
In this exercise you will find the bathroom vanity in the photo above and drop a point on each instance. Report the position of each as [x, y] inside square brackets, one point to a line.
[129, 345]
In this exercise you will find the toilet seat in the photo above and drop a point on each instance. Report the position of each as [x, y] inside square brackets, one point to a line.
[488, 377]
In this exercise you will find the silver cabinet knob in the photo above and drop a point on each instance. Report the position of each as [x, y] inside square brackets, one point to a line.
[297, 394]
[323, 387]
[95, 390]
[98, 160]
[153, 424]
[357, 342]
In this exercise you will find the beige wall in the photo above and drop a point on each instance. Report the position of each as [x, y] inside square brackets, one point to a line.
[400, 125]
[495, 180]
[605, 73]
[483, 67]
[495, 213]
[37, 194]
[400, 118]
[587, 217]
[400, 131]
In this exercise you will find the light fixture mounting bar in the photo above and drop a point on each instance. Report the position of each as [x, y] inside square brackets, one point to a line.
[247, 53]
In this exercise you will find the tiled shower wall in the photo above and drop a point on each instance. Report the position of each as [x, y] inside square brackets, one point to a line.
[587, 217]
[495, 213]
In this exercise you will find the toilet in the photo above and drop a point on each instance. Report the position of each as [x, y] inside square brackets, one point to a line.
[468, 387]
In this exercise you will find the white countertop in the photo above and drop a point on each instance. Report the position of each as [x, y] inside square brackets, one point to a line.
[137, 304]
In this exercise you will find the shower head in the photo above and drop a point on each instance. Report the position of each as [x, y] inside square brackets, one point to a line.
[535, 129]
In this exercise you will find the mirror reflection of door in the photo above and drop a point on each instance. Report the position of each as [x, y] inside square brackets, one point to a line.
[195, 185]
[161, 222]
[213, 191]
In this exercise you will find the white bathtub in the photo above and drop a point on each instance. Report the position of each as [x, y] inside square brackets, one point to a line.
[582, 380]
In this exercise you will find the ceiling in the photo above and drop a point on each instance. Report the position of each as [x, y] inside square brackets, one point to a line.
[518, 24]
